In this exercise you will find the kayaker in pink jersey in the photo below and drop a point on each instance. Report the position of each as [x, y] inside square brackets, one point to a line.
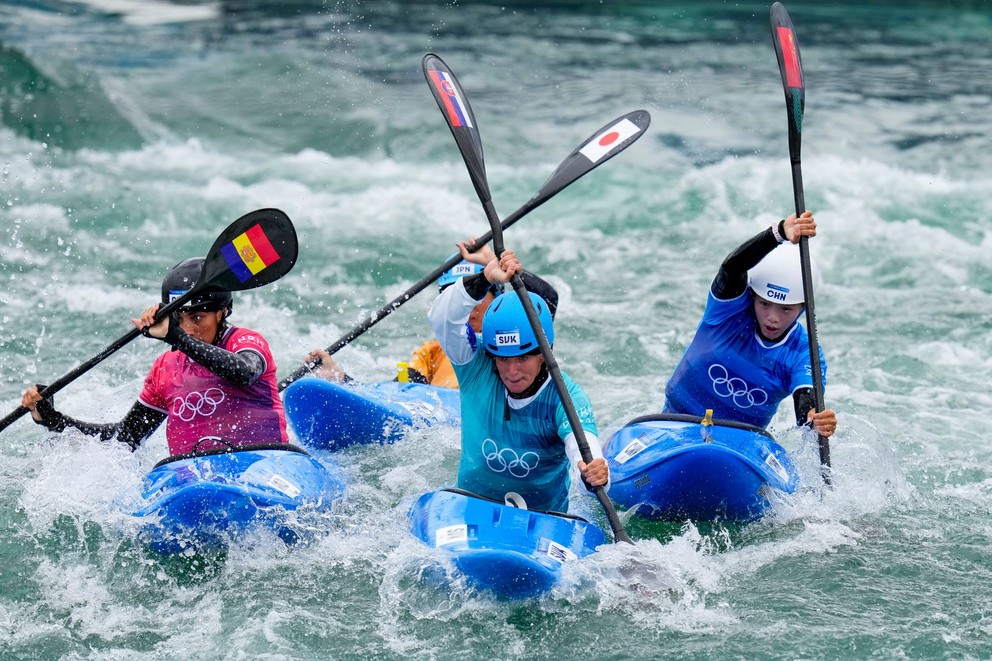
[216, 387]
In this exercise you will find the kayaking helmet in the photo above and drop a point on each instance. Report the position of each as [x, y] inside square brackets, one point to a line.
[779, 277]
[181, 278]
[459, 270]
[506, 331]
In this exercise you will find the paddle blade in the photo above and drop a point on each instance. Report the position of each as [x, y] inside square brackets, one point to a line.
[256, 249]
[791, 67]
[460, 118]
[600, 147]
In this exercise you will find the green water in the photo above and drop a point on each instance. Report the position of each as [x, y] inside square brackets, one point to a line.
[129, 140]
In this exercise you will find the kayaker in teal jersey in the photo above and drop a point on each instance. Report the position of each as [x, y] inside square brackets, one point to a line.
[749, 351]
[516, 437]
[216, 387]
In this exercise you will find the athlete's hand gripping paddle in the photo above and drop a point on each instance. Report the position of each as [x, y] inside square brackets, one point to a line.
[458, 114]
[256, 249]
[790, 66]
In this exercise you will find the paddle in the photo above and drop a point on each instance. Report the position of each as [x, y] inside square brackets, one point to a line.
[569, 170]
[791, 68]
[458, 114]
[256, 249]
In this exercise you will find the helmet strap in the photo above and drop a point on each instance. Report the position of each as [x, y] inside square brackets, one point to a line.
[222, 326]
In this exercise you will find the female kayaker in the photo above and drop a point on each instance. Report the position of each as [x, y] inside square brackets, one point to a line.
[516, 437]
[216, 386]
[749, 353]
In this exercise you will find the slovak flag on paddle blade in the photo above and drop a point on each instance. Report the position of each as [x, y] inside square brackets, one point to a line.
[454, 106]
[608, 140]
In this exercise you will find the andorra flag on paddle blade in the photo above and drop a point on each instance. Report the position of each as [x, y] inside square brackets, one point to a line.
[609, 139]
[249, 253]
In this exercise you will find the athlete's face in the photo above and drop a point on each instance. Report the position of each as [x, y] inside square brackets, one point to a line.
[475, 317]
[201, 325]
[518, 372]
[774, 318]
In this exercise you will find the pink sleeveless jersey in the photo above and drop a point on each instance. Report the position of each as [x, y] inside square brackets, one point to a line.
[201, 404]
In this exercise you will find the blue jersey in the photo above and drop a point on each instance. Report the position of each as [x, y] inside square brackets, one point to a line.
[728, 368]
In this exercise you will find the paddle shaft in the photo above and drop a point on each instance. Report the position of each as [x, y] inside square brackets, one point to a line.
[794, 85]
[422, 284]
[814, 351]
[111, 349]
[619, 534]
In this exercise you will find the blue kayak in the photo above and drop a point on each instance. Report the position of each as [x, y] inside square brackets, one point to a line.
[202, 502]
[331, 416]
[514, 553]
[673, 467]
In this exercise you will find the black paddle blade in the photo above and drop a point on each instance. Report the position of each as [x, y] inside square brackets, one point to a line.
[258, 248]
[460, 118]
[600, 147]
[791, 67]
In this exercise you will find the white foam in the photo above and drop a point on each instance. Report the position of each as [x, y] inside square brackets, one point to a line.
[152, 12]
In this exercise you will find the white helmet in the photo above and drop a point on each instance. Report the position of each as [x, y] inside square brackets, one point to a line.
[779, 276]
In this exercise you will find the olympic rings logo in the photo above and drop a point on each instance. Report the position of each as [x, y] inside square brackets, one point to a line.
[195, 403]
[507, 460]
[735, 388]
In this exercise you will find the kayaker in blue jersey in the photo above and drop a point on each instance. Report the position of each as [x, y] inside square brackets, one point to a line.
[516, 437]
[749, 351]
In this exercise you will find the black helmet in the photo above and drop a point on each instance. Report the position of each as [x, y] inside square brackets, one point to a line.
[181, 278]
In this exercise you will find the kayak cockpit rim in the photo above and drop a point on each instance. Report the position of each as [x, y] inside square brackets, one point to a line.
[231, 449]
[695, 419]
[563, 515]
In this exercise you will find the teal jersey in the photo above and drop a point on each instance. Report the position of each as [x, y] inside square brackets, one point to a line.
[522, 450]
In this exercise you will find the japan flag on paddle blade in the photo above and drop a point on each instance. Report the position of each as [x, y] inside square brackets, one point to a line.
[603, 143]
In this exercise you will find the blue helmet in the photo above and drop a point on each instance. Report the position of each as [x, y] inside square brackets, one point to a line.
[506, 332]
[459, 270]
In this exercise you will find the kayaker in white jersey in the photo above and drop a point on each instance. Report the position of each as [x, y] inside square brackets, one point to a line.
[749, 351]
[516, 437]
[216, 386]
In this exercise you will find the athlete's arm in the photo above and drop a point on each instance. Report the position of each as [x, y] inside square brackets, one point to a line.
[731, 280]
[135, 427]
[242, 368]
[449, 314]
[574, 456]
[804, 401]
[450, 311]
